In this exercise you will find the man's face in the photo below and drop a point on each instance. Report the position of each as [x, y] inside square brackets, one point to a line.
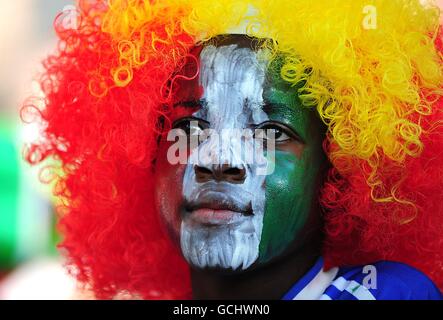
[234, 201]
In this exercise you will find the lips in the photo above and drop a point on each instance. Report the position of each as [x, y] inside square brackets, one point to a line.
[217, 211]
[210, 217]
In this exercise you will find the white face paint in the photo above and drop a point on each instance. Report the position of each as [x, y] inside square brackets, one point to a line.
[216, 231]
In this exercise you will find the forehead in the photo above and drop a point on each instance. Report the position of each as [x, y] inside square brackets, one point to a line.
[232, 68]
[232, 79]
[222, 66]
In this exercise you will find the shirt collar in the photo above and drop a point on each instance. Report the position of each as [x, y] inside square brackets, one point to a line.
[312, 285]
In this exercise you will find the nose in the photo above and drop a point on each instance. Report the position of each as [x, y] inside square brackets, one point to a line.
[224, 172]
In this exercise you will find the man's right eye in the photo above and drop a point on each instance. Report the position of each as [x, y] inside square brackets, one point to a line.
[191, 126]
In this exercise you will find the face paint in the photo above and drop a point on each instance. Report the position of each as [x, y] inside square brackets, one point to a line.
[222, 213]
[232, 81]
[291, 190]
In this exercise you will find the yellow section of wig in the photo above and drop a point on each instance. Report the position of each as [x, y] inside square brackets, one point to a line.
[365, 83]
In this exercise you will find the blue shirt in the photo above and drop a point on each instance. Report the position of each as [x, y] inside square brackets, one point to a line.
[383, 280]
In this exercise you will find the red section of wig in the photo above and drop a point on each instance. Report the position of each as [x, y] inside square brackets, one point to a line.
[105, 138]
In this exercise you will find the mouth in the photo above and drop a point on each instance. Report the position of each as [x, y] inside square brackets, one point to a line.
[216, 211]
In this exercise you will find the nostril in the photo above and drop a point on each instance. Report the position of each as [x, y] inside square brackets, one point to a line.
[203, 174]
[220, 173]
[202, 170]
[234, 174]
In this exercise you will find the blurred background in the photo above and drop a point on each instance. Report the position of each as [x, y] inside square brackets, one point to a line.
[30, 267]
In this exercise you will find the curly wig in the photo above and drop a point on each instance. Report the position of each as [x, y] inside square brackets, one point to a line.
[378, 91]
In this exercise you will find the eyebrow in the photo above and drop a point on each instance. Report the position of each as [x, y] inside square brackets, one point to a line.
[270, 107]
[191, 103]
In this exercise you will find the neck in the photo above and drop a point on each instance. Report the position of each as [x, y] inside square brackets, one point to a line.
[268, 282]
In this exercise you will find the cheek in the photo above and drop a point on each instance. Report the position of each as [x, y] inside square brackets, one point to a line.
[168, 191]
[289, 196]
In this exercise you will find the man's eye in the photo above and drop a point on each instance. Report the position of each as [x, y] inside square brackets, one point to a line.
[271, 132]
[190, 126]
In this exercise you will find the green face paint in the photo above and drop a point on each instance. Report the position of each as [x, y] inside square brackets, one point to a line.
[291, 190]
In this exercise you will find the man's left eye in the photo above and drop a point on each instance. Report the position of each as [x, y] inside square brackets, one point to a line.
[271, 132]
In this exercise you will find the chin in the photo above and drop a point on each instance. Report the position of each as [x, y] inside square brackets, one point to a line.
[224, 247]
